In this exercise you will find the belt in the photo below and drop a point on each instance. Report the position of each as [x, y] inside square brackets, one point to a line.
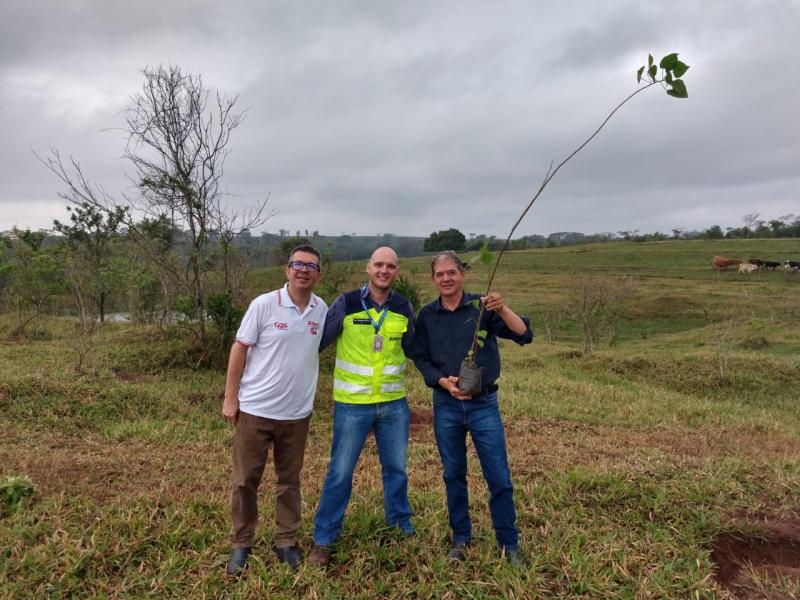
[489, 389]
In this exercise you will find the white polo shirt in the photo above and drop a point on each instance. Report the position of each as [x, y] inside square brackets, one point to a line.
[280, 375]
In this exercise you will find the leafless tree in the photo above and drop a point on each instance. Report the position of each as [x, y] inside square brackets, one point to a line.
[596, 303]
[178, 138]
[78, 274]
[750, 220]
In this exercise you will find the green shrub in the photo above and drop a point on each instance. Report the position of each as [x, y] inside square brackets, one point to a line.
[225, 315]
[13, 490]
[408, 289]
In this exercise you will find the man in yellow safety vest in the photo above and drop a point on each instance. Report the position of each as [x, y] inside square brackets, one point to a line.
[373, 329]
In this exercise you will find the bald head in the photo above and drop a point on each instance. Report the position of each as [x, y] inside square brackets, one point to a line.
[382, 269]
[384, 253]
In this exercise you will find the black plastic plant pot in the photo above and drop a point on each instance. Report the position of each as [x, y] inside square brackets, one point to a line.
[470, 379]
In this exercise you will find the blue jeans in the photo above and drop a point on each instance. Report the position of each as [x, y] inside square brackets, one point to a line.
[351, 425]
[452, 419]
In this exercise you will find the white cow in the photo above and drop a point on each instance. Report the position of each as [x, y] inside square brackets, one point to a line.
[747, 268]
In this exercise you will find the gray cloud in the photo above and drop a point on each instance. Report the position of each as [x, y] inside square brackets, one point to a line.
[401, 117]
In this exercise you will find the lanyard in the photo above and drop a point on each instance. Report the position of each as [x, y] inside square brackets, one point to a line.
[377, 325]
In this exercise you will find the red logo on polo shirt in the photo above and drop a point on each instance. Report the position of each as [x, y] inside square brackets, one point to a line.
[313, 327]
[279, 325]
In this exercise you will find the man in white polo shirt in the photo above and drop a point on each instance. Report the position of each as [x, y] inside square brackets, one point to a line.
[269, 394]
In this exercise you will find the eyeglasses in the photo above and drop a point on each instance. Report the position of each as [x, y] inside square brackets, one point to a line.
[297, 265]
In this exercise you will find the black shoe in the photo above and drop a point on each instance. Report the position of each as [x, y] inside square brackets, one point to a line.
[238, 560]
[290, 555]
[458, 551]
[515, 559]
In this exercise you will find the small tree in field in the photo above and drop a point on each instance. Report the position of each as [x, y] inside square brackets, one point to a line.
[596, 304]
[90, 237]
[672, 69]
[35, 277]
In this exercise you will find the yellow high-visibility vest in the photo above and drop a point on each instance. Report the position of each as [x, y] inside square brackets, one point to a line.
[363, 376]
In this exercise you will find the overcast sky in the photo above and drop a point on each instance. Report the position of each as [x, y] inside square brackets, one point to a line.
[410, 117]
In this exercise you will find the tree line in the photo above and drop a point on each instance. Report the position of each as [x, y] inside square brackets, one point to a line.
[787, 226]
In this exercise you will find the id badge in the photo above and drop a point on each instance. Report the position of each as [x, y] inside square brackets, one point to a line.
[377, 343]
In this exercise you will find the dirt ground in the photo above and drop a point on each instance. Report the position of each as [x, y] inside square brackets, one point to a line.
[771, 550]
[103, 469]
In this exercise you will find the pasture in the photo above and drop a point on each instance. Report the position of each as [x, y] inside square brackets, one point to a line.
[635, 467]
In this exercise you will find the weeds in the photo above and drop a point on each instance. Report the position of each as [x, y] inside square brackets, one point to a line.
[13, 490]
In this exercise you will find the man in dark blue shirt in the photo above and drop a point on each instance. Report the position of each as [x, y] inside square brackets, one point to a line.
[443, 336]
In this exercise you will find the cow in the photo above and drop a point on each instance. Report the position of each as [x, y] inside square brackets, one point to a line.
[791, 265]
[771, 264]
[747, 268]
[756, 261]
[720, 263]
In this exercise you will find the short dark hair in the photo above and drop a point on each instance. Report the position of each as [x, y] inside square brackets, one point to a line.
[449, 255]
[306, 248]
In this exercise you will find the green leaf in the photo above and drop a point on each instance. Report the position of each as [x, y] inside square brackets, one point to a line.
[480, 343]
[680, 69]
[668, 77]
[669, 61]
[482, 334]
[652, 72]
[649, 60]
[476, 304]
[678, 89]
[486, 255]
[639, 74]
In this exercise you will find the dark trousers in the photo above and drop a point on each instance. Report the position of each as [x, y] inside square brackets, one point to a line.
[251, 442]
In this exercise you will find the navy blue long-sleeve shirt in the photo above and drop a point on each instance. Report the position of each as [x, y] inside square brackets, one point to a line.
[443, 337]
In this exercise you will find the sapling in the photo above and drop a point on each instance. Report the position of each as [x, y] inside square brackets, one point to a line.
[470, 379]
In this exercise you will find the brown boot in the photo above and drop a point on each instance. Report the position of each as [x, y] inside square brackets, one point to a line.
[320, 556]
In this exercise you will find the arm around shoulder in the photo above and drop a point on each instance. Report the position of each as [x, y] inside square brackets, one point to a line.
[334, 320]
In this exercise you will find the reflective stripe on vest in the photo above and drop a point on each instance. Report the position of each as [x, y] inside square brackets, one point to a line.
[362, 376]
[365, 389]
[359, 370]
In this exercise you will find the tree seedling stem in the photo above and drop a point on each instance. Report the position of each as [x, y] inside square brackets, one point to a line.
[672, 70]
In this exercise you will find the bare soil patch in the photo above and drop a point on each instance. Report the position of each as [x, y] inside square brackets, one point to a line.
[769, 549]
[128, 376]
[545, 445]
[421, 419]
[194, 398]
[103, 470]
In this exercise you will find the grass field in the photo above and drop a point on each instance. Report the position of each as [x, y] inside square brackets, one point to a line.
[634, 467]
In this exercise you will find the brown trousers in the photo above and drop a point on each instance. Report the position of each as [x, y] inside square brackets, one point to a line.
[251, 442]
